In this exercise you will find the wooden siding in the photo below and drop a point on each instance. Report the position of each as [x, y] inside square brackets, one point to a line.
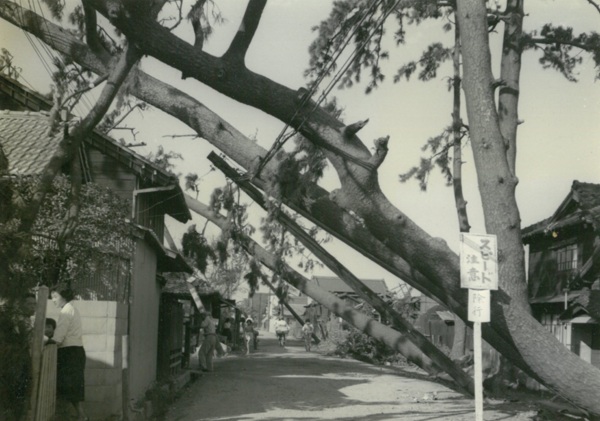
[170, 337]
[107, 172]
[596, 346]
[143, 316]
[150, 213]
[45, 404]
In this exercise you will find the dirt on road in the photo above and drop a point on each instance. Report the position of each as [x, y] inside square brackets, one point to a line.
[275, 383]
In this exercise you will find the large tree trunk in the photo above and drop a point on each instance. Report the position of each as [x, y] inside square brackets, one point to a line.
[497, 183]
[388, 237]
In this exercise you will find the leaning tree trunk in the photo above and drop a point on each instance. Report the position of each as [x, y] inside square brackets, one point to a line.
[497, 183]
[339, 307]
[398, 322]
[384, 234]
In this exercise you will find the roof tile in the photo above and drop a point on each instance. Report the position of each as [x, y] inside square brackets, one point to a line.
[25, 141]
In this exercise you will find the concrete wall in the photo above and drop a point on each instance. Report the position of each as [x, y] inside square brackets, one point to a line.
[143, 333]
[104, 324]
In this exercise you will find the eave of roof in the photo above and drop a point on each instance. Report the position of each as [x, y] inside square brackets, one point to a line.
[141, 166]
[167, 260]
[335, 284]
[553, 299]
[581, 205]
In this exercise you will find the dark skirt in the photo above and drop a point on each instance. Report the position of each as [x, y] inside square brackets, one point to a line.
[70, 382]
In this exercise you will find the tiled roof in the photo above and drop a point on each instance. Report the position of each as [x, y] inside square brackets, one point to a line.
[24, 137]
[25, 141]
[582, 205]
[334, 284]
[586, 194]
[42, 147]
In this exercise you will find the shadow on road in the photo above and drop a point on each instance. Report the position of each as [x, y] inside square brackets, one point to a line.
[275, 383]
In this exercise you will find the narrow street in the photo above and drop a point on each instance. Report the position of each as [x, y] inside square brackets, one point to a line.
[275, 383]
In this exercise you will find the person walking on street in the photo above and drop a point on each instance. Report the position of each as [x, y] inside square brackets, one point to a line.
[70, 381]
[307, 331]
[281, 329]
[249, 335]
[207, 349]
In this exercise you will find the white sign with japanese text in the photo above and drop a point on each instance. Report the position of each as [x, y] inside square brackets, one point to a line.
[478, 261]
[479, 305]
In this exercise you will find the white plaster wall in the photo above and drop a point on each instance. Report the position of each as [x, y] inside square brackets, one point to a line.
[104, 324]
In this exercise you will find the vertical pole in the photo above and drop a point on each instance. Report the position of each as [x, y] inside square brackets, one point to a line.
[125, 396]
[37, 342]
[478, 373]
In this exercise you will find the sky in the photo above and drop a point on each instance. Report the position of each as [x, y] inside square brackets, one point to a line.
[557, 143]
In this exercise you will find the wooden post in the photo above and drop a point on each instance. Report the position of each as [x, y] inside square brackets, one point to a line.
[125, 374]
[37, 342]
[187, 344]
[478, 273]
[478, 371]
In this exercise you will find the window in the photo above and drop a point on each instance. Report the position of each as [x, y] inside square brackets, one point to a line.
[567, 258]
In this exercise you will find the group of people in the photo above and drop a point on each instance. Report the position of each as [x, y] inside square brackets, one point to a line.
[66, 333]
[210, 341]
[282, 329]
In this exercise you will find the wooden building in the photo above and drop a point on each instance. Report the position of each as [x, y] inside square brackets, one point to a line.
[321, 316]
[564, 271]
[121, 322]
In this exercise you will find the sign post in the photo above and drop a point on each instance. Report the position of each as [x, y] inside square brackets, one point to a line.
[478, 273]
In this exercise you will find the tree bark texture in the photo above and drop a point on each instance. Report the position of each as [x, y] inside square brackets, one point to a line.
[383, 233]
[497, 183]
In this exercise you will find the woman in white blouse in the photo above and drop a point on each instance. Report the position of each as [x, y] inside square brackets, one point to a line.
[70, 381]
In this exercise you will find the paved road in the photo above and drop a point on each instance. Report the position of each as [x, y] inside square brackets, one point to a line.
[277, 383]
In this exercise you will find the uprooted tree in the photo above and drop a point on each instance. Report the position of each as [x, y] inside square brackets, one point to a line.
[358, 213]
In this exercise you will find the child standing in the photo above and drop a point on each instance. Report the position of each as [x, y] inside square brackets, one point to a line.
[307, 331]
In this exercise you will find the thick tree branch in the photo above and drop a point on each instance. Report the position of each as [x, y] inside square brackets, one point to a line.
[364, 292]
[339, 307]
[241, 42]
[381, 150]
[231, 78]
[497, 186]
[245, 152]
[595, 5]
[69, 145]
[553, 41]
[389, 232]
[91, 34]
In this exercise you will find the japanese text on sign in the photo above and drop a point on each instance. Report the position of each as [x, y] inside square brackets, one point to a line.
[478, 261]
[479, 305]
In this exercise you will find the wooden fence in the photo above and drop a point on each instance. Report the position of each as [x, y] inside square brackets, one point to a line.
[45, 404]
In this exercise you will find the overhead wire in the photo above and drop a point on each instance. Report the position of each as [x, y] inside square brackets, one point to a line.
[282, 138]
[86, 104]
[354, 53]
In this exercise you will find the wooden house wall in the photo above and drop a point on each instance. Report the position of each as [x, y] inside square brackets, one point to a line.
[170, 337]
[107, 172]
[544, 278]
[596, 346]
[150, 213]
[143, 315]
